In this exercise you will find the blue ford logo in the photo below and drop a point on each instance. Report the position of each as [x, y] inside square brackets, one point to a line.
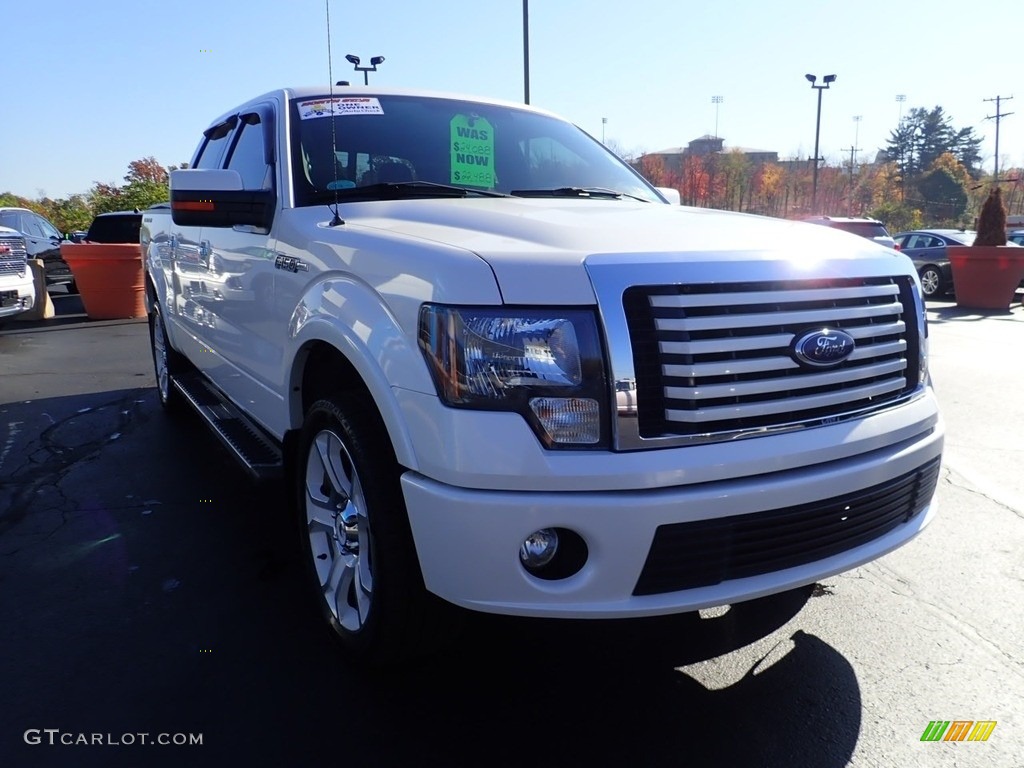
[823, 348]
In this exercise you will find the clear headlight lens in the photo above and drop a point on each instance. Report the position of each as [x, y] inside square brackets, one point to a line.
[545, 364]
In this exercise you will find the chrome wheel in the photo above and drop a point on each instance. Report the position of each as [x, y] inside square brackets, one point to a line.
[163, 376]
[931, 281]
[167, 364]
[338, 529]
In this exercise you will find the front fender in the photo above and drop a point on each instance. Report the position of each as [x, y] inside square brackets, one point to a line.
[349, 316]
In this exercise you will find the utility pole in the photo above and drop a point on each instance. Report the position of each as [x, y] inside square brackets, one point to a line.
[900, 98]
[997, 116]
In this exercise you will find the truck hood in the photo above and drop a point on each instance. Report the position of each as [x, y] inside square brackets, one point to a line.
[555, 239]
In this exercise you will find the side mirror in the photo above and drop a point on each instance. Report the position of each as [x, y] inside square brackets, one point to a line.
[671, 195]
[216, 198]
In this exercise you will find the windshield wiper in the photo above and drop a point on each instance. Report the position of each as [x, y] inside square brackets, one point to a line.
[599, 192]
[391, 190]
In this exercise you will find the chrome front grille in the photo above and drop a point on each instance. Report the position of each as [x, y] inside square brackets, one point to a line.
[716, 360]
[12, 255]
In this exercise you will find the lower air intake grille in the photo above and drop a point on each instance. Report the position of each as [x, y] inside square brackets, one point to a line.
[706, 552]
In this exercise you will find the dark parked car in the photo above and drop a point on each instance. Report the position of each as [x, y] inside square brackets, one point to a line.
[42, 241]
[116, 227]
[1017, 236]
[927, 249]
[872, 229]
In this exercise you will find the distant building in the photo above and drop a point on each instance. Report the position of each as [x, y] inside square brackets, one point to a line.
[674, 157]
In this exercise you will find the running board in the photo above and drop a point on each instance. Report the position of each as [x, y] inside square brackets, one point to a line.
[255, 449]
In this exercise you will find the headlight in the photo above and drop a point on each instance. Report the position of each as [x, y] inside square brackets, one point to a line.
[545, 364]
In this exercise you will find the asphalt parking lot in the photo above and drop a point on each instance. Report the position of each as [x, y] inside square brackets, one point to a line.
[147, 587]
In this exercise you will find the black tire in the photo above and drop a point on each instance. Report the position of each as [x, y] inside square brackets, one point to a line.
[932, 284]
[167, 363]
[356, 543]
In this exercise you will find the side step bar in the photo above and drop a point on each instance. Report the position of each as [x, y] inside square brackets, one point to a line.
[255, 449]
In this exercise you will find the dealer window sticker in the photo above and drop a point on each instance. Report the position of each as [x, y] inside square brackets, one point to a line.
[472, 151]
[339, 106]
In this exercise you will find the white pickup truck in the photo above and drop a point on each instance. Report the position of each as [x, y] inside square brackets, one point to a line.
[17, 290]
[499, 371]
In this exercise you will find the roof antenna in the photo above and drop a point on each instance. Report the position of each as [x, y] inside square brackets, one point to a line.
[337, 220]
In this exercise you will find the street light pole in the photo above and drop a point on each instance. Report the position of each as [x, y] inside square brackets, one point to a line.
[354, 61]
[826, 82]
[716, 100]
[526, 51]
[604, 122]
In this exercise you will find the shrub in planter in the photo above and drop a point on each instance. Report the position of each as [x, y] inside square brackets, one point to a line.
[986, 274]
[992, 222]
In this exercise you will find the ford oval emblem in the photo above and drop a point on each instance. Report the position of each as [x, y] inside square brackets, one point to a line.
[823, 348]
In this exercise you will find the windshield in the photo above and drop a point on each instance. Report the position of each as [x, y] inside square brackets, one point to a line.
[435, 147]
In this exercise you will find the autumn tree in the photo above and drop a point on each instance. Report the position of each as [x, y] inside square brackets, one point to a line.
[769, 184]
[652, 168]
[736, 178]
[146, 170]
[146, 184]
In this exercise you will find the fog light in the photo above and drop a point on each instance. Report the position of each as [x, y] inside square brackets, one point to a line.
[538, 548]
[568, 420]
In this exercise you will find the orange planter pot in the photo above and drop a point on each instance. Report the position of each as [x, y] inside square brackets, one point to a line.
[110, 278]
[986, 277]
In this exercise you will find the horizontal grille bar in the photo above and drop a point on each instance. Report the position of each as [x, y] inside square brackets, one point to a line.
[763, 319]
[764, 364]
[733, 299]
[706, 552]
[787, 405]
[785, 383]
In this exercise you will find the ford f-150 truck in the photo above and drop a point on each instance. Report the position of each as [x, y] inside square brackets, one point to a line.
[500, 371]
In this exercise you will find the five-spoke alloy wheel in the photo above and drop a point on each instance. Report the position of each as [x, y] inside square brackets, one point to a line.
[167, 363]
[355, 536]
[931, 282]
[339, 530]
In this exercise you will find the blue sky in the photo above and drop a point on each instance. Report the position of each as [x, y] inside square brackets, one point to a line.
[91, 86]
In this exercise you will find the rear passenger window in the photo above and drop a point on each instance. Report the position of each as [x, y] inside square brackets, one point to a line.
[247, 156]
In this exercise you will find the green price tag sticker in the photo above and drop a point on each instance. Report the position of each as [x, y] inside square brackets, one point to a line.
[472, 151]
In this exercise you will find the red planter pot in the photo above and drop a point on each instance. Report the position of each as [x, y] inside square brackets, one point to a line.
[986, 277]
[110, 278]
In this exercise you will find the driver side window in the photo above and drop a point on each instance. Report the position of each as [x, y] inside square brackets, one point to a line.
[47, 228]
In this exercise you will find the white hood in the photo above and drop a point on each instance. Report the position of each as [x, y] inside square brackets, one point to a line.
[537, 248]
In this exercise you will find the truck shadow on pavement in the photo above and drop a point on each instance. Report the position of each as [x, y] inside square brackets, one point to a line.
[950, 312]
[159, 590]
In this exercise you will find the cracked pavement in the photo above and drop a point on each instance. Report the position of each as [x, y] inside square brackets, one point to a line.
[147, 585]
